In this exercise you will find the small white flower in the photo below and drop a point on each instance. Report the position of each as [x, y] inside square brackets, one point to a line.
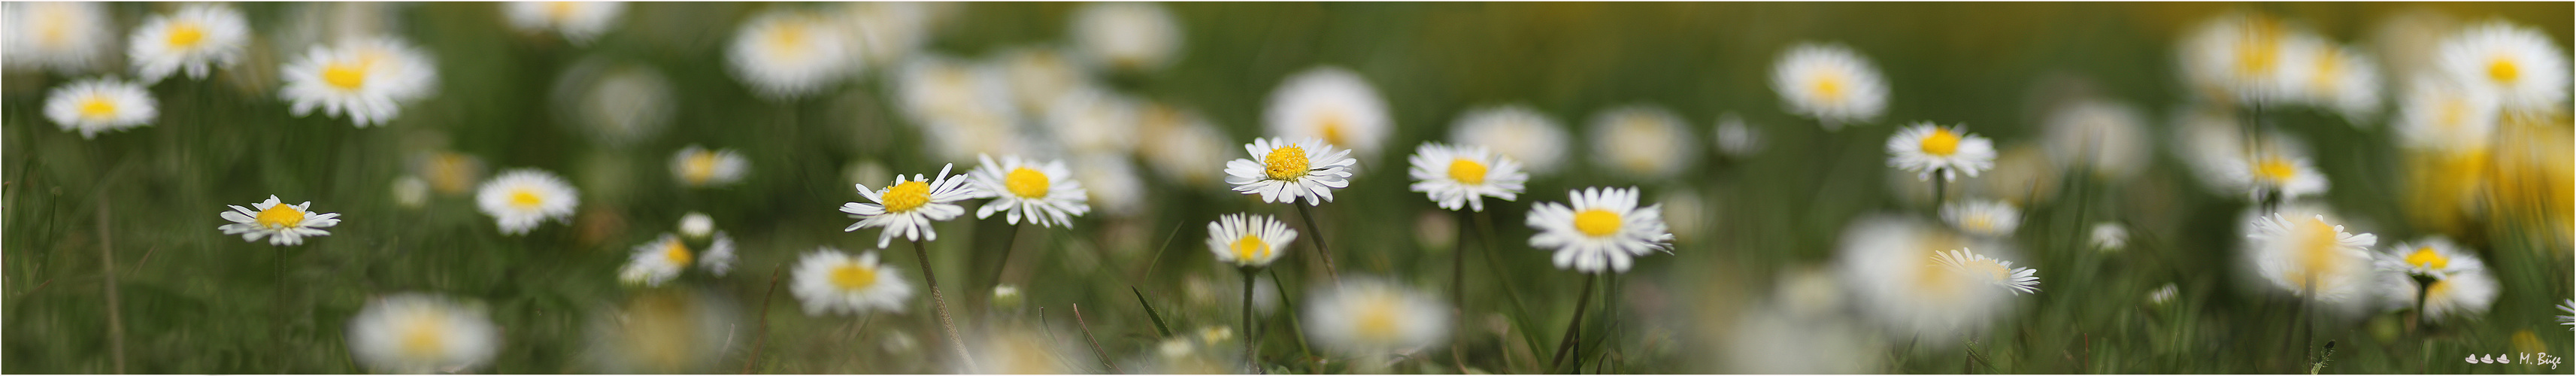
[1995, 272]
[908, 206]
[1045, 193]
[2104, 136]
[1246, 240]
[1332, 104]
[1601, 231]
[831, 281]
[790, 54]
[100, 105]
[1309, 169]
[1924, 148]
[578, 21]
[521, 198]
[2311, 257]
[1988, 218]
[2432, 257]
[2162, 295]
[1516, 131]
[697, 225]
[422, 333]
[2110, 236]
[1830, 83]
[1737, 139]
[1127, 36]
[1642, 141]
[2442, 115]
[698, 167]
[2239, 56]
[720, 255]
[2459, 295]
[1182, 146]
[2290, 176]
[1373, 318]
[2519, 65]
[1462, 176]
[2331, 77]
[367, 80]
[64, 37]
[282, 224]
[196, 39]
[657, 261]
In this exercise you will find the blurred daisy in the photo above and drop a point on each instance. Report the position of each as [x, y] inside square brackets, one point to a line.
[1735, 138]
[886, 31]
[657, 261]
[422, 333]
[1924, 148]
[1094, 120]
[2569, 319]
[1110, 183]
[1602, 230]
[617, 103]
[99, 105]
[662, 331]
[1988, 218]
[720, 255]
[699, 167]
[2311, 257]
[579, 21]
[1990, 271]
[410, 192]
[789, 54]
[2162, 295]
[1247, 240]
[282, 224]
[2103, 136]
[1829, 83]
[2431, 257]
[2520, 66]
[2289, 176]
[2441, 115]
[1332, 104]
[518, 199]
[1462, 176]
[2238, 56]
[1039, 76]
[2332, 77]
[697, 225]
[1017, 350]
[1127, 36]
[908, 206]
[1891, 266]
[448, 172]
[2459, 295]
[1182, 146]
[367, 80]
[2110, 236]
[1045, 193]
[1309, 169]
[963, 108]
[831, 281]
[1374, 318]
[196, 39]
[1642, 141]
[1516, 131]
[64, 37]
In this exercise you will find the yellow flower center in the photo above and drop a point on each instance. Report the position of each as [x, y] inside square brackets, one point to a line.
[98, 107]
[677, 253]
[789, 38]
[1941, 142]
[1286, 162]
[450, 172]
[2503, 70]
[1332, 129]
[1829, 87]
[1249, 248]
[2426, 257]
[2329, 68]
[2259, 49]
[559, 10]
[425, 337]
[1597, 222]
[1027, 182]
[1376, 320]
[345, 75]
[2316, 254]
[1979, 223]
[1467, 171]
[853, 276]
[186, 34]
[904, 197]
[700, 167]
[525, 198]
[2276, 170]
[280, 216]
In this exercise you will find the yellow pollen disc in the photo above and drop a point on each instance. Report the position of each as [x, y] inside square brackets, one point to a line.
[2316, 254]
[1829, 87]
[280, 216]
[1286, 162]
[1376, 320]
[98, 107]
[700, 167]
[2426, 257]
[2328, 69]
[1026, 182]
[1332, 131]
[1979, 223]
[559, 10]
[2503, 70]
[789, 38]
[676, 252]
[186, 35]
[425, 338]
[2275, 169]
[346, 76]
[853, 276]
[1467, 171]
[2259, 50]
[524, 198]
[906, 196]
[1597, 222]
[2435, 290]
[1249, 248]
[1941, 142]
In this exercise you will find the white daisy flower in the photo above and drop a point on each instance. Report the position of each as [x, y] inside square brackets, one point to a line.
[887, 32]
[1890, 265]
[790, 54]
[1127, 36]
[1091, 119]
[2441, 115]
[1642, 141]
[1182, 147]
[1045, 193]
[1516, 131]
[1309, 169]
[2104, 136]
[908, 206]
[1830, 83]
[1988, 218]
[578, 21]
[282, 224]
[196, 39]
[2462, 295]
[2519, 65]
[410, 192]
[1991, 271]
[519, 199]
[64, 37]
[831, 281]
[1111, 183]
[1246, 240]
[616, 103]
[2222, 157]
[2434, 256]
[1924, 148]
[99, 105]
[697, 225]
[699, 167]
[662, 331]
[2239, 57]
[657, 261]
[720, 255]
[1737, 139]
[1368, 317]
[2332, 77]
[2290, 176]
[1039, 77]
[2110, 236]
[963, 108]
[1462, 176]
[367, 80]
[1602, 230]
[2569, 319]
[2310, 256]
[1332, 104]
[423, 333]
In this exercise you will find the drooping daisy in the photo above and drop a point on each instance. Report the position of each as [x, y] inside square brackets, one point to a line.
[1830, 83]
[1332, 104]
[1046, 193]
[1991, 271]
[2459, 295]
[197, 39]
[1888, 263]
[518, 199]
[1601, 231]
[2435, 256]
[697, 225]
[99, 105]
[1368, 317]
[1737, 139]
[1516, 131]
[1246, 240]
[1988, 218]
[2519, 65]
[282, 224]
[1310, 169]
[790, 54]
[578, 21]
[1924, 149]
[2442, 115]
[2110, 236]
[657, 261]
[2290, 177]
[2103, 136]
[2310, 256]
[64, 37]
[366, 80]
[699, 167]
[422, 333]
[2332, 77]
[908, 206]
[2238, 57]
[1127, 36]
[720, 255]
[1642, 141]
[1462, 176]
[831, 281]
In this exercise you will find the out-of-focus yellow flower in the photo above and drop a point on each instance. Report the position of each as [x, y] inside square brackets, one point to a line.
[2534, 179]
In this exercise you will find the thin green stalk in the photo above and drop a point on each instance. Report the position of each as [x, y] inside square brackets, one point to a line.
[955, 342]
[1251, 337]
[1287, 304]
[1573, 328]
[1318, 240]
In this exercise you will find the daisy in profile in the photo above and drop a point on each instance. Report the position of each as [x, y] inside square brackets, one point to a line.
[519, 199]
[2288, 176]
[1987, 218]
[790, 54]
[2310, 256]
[422, 333]
[1830, 83]
[2104, 136]
[1045, 193]
[830, 281]
[698, 167]
[2520, 66]
[366, 80]
[1332, 104]
[1925, 149]
[2441, 115]
[1462, 176]
[2433, 256]
[1286, 172]
[1127, 36]
[1601, 231]
[1895, 272]
[657, 261]
[197, 39]
[1997, 273]
[1249, 241]
[1642, 141]
[2455, 282]
[64, 37]
[1737, 139]
[99, 105]
[1516, 131]
[282, 224]
[578, 21]
[1369, 317]
[908, 206]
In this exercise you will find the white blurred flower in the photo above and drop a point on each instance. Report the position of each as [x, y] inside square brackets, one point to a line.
[1830, 83]
[2332, 77]
[1332, 104]
[657, 261]
[699, 167]
[521, 198]
[829, 281]
[2162, 295]
[2519, 65]
[1039, 77]
[2238, 55]
[2110, 236]
[619, 104]
[2441, 115]
[1368, 317]
[1090, 119]
[1110, 181]
[578, 21]
[1602, 230]
[1642, 141]
[1461, 177]
[1924, 148]
[1987, 218]
[2103, 136]
[197, 39]
[2311, 257]
[1127, 36]
[2290, 176]
[1182, 147]
[63, 37]
[367, 79]
[1996, 272]
[697, 225]
[411, 192]
[889, 31]
[422, 333]
[1888, 264]
[1516, 131]
[964, 109]
[282, 224]
[1737, 139]
[790, 54]
[100, 105]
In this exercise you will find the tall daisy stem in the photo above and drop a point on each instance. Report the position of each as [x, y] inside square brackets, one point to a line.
[1320, 249]
[955, 342]
[1573, 329]
[1940, 191]
[1251, 337]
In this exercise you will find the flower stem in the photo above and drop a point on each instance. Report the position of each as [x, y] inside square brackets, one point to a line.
[1318, 241]
[1573, 328]
[1251, 337]
[955, 342]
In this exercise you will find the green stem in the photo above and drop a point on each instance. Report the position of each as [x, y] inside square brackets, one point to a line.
[1251, 337]
[1308, 215]
[955, 342]
[1573, 328]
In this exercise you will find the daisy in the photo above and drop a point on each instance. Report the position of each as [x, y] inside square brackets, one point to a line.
[422, 333]
[2332, 77]
[617, 103]
[789, 54]
[1111, 183]
[2569, 319]
[1461, 176]
[2162, 295]
[1045, 193]
[1247, 240]
[1375, 318]
[1829, 83]
[677, 330]
[2442, 115]
[720, 255]
[1890, 265]
[1991, 271]
[2238, 55]
[448, 172]
[1309, 169]
[196, 39]
[1988, 218]
[2310, 256]
[1642, 141]
[518, 199]
[1737, 139]
[1091, 119]
[579, 21]
[1182, 146]
[657, 261]
[2110, 236]
[1516, 131]
[2520, 66]
[699, 167]
[1039, 77]
[283, 224]
[2459, 295]
[963, 108]
[410, 192]
[2289, 176]
[886, 32]
[367, 80]
[2431, 257]
[1127, 36]
[64, 37]
[697, 225]
[1332, 104]
[908, 206]
[2104, 136]
[1924, 149]
[99, 105]
[1601, 230]
[831, 281]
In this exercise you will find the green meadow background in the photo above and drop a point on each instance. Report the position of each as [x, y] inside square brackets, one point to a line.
[132, 215]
